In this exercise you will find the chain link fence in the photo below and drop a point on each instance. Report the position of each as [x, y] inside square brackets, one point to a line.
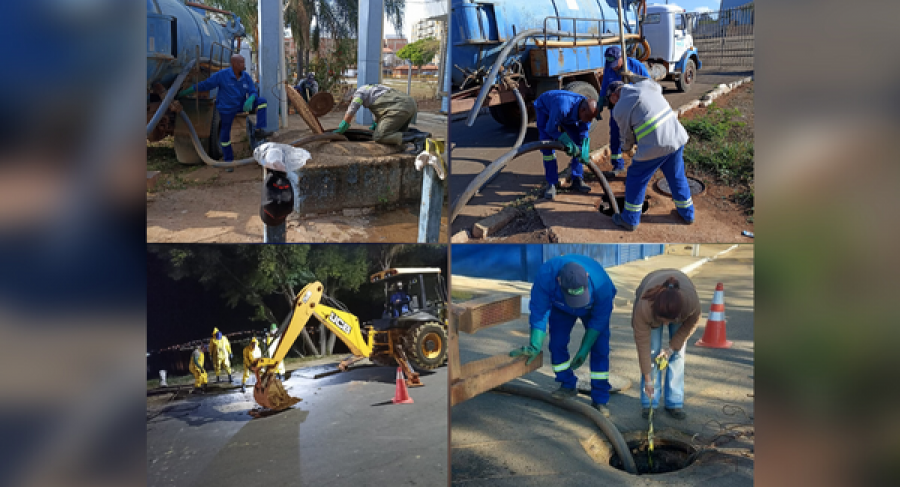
[724, 39]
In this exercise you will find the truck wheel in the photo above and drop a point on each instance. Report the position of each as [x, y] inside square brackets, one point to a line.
[214, 148]
[686, 80]
[509, 115]
[426, 345]
[583, 88]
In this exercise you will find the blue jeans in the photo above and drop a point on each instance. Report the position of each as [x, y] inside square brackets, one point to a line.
[639, 174]
[577, 133]
[228, 118]
[560, 326]
[674, 373]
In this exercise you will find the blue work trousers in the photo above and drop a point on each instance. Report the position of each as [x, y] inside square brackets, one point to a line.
[615, 145]
[577, 134]
[560, 326]
[674, 373]
[228, 118]
[639, 174]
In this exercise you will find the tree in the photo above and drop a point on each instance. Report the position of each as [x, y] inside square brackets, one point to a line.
[248, 273]
[421, 52]
[339, 268]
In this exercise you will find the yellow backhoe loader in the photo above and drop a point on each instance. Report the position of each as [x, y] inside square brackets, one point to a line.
[413, 328]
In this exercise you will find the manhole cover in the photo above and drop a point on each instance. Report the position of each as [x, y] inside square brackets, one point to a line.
[668, 455]
[620, 200]
[697, 187]
[321, 103]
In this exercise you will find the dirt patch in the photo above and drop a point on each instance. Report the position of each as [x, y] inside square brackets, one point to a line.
[527, 228]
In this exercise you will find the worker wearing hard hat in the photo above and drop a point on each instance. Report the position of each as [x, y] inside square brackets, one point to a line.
[251, 353]
[237, 93]
[664, 297]
[612, 72]
[566, 289]
[271, 345]
[197, 370]
[566, 117]
[220, 351]
[393, 112]
[399, 300]
[308, 87]
[645, 117]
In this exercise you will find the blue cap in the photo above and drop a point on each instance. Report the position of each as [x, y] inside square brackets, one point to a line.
[613, 54]
[573, 280]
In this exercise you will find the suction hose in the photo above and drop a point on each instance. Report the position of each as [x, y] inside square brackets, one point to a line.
[524, 126]
[605, 425]
[501, 58]
[170, 95]
[495, 167]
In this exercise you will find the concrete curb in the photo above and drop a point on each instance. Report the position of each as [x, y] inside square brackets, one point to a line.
[707, 99]
[696, 265]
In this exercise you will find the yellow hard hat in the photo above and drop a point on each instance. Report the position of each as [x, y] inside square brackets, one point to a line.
[215, 330]
[253, 340]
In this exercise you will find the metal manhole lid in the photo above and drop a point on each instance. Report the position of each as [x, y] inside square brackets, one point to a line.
[697, 187]
[321, 103]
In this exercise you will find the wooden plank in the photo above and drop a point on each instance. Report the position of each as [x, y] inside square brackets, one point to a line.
[483, 375]
[487, 311]
[453, 350]
[494, 223]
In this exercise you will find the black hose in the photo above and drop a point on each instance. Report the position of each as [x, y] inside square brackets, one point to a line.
[501, 58]
[524, 126]
[495, 167]
[170, 95]
[202, 153]
[605, 425]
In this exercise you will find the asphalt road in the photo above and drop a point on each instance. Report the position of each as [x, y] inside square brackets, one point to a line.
[475, 147]
[345, 432]
[505, 440]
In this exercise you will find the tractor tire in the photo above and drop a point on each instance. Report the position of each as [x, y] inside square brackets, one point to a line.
[686, 80]
[583, 88]
[426, 345]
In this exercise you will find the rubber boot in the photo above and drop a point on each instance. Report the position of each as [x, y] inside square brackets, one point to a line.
[551, 192]
[229, 379]
[393, 139]
[217, 379]
[259, 134]
[602, 408]
[578, 185]
[564, 393]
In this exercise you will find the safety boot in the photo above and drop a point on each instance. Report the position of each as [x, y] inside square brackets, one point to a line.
[578, 185]
[262, 134]
[551, 192]
[564, 393]
[677, 413]
[393, 139]
[618, 220]
[602, 408]
[229, 379]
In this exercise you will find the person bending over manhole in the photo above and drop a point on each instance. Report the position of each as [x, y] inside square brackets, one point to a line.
[237, 93]
[308, 87]
[612, 72]
[571, 112]
[393, 112]
[646, 119]
[664, 297]
[566, 289]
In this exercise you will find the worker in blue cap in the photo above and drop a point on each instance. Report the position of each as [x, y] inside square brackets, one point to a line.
[566, 117]
[237, 93]
[612, 71]
[568, 288]
[646, 119]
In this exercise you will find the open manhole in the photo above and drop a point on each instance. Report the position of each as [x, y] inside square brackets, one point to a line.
[620, 200]
[697, 186]
[668, 455]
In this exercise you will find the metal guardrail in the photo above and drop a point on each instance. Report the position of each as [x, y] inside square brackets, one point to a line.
[724, 39]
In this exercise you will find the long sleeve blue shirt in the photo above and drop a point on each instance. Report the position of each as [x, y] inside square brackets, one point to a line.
[547, 294]
[561, 108]
[610, 75]
[233, 91]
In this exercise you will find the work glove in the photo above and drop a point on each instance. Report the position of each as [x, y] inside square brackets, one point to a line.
[533, 349]
[186, 92]
[342, 127]
[590, 337]
[571, 148]
[374, 124]
[248, 105]
[586, 150]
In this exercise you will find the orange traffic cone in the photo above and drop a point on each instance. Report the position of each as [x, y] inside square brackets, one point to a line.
[714, 334]
[401, 395]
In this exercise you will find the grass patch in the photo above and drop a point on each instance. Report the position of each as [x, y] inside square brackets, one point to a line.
[719, 149]
[458, 295]
[161, 157]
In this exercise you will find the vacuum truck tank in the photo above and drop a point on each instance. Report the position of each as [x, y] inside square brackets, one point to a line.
[192, 41]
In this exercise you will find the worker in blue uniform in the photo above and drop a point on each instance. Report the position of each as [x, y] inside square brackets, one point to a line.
[612, 71]
[568, 288]
[566, 117]
[400, 301]
[237, 93]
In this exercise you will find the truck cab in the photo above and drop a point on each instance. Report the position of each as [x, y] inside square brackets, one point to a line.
[673, 56]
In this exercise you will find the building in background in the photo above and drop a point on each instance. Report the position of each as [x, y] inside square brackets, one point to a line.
[395, 42]
[426, 28]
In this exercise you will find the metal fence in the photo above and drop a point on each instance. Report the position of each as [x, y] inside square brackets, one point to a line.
[724, 39]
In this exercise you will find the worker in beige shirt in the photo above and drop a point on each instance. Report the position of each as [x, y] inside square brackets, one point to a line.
[665, 296]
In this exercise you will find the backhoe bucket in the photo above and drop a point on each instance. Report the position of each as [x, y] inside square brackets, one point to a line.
[270, 394]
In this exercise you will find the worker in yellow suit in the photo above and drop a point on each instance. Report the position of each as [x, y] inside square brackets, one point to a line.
[251, 353]
[197, 369]
[271, 346]
[220, 352]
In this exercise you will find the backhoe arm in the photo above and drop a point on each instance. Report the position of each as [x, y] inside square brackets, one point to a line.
[343, 324]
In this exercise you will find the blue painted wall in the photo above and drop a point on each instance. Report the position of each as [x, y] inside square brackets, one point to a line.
[520, 262]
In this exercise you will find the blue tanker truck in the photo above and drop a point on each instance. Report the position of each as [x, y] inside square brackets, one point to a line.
[504, 50]
[186, 43]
